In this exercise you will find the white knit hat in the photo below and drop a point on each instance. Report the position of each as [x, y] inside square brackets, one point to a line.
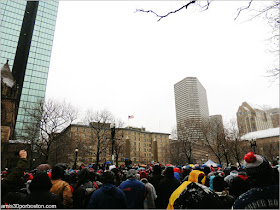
[111, 167]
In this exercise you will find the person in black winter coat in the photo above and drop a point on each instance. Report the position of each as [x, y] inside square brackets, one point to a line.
[83, 190]
[11, 184]
[240, 184]
[156, 177]
[264, 193]
[166, 187]
[219, 186]
[40, 192]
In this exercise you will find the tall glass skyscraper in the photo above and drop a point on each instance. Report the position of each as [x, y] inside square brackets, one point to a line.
[38, 60]
[190, 100]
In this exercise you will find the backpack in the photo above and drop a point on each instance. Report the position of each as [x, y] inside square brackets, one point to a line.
[82, 195]
[197, 196]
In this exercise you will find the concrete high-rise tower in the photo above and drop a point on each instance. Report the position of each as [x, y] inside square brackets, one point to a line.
[27, 32]
[190, 101]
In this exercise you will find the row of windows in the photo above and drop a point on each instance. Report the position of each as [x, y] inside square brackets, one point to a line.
[39, 25]
[38, 66]
[9, 56]
[9, 43]
[10, 28]
[41, 69]
[47, 18]
[38, 38]
[47, 12]
[16, 4]
[37, 74]
[12, 21]
[12, 13]
[38, 92]
[30, 85]
[36, 80]
[36, 50]
[34, 54]
[33, 98]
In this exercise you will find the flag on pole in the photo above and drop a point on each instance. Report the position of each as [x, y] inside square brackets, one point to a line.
[130, 117]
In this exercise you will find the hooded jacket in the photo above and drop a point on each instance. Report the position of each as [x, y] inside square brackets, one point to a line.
[13, 181]
[135, 193]
[166, 188]
[63, 190]
[155, 178]
[193, 177]
[108, 197]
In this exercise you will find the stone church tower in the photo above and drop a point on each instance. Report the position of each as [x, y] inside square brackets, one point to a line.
[8, 106]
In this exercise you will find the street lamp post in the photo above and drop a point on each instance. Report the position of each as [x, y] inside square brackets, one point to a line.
[113, 130]
[253, 143]
[76, 156]
[207, 156]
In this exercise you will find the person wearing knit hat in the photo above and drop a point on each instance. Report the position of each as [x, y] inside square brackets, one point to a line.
[111, 167]
[149, 202]
[264, 192]
[166, 188]
[40, 192]
[143, 174]
[134, 190]
[108, 196]
[155, 177]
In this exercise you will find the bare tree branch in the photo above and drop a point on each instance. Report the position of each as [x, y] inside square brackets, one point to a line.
[172, 12]
[243, 8]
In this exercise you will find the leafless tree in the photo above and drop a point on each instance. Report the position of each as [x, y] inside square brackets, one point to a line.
[188, 133]
[232, 135]
[269, 12]
[214, 137]
[175, 148]
[45, 120]
[120, 142]
[99, 122]
[204, 5]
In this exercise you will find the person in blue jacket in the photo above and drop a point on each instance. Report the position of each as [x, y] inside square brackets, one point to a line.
[108, 196]
[134, 190]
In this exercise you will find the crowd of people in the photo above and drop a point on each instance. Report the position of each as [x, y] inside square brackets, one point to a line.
[152, 186]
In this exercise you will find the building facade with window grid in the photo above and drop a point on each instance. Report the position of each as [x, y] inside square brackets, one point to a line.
[139, 145]
[36, 74]
[251, 117]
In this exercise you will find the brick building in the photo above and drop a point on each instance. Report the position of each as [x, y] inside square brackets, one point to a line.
[267, 142]
[137, 144]
[8, 105]
[251, 117]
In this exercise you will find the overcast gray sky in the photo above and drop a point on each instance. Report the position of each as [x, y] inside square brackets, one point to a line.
[106, 56]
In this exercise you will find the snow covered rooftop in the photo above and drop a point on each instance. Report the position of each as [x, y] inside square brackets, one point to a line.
[19, 141]
[261, 134]
[6, 75]
[254, 106]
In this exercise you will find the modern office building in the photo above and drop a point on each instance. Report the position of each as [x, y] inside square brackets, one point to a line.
[191, 112]
[27, 32]
[190, 101]
[252, 117]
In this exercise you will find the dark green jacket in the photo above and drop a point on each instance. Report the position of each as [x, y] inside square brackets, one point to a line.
[14, 179]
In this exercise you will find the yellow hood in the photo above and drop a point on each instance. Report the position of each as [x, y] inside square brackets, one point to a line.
[193, 177]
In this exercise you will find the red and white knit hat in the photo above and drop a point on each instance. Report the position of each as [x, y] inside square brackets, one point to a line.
[256, 164]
